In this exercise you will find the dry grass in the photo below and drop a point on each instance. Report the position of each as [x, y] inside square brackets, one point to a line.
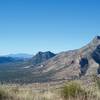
[72, 91]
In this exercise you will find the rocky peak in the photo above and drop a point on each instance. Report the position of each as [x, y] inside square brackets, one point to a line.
[39, 53]
[41, 57]
[45, 54]
[89, 48]
[96, 40]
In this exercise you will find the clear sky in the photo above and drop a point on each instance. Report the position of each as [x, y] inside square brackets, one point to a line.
[29, 26]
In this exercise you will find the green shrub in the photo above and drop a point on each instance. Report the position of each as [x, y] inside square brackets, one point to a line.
[97, 81]
[3, 94]
[73, 90]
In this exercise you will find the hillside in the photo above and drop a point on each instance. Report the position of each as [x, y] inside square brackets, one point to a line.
[76, 63]
[47, 66]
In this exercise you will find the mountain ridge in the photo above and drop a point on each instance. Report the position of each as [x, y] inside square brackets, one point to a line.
[19, 55]
[62, 66]
[69, 64]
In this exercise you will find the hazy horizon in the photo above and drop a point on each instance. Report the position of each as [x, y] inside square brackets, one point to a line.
[18, 53]
[29, 26]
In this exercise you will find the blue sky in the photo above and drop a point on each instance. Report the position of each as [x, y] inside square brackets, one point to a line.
[30, 26]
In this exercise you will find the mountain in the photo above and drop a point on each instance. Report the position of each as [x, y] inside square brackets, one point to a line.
[9, 60]
[23, 71]
[73, 64]
[6, 60]
[15, 58]
[41, 57]
[20, 55]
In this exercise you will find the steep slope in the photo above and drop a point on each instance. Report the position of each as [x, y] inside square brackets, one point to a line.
[72, 64]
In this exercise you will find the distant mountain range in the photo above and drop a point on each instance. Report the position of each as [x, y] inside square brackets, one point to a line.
[35, 60]
[19, 55]
[12, 58]
[47, 66]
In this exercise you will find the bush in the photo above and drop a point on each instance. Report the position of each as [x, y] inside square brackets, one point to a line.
[3, 95]
[73, 90]
[97, 81]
